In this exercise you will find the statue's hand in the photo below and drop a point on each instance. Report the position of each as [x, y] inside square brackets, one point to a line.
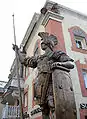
[59, 63]
[15, 47]
[26, 60]
[30, 62]
[67, 64]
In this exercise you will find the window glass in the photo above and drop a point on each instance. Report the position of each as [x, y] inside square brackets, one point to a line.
[85, 78]
[85, 117]
[80, 42]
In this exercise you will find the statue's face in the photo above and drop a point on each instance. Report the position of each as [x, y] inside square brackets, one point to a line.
[43, 46]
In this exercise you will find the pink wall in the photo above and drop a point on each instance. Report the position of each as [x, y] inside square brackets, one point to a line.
[54, 27]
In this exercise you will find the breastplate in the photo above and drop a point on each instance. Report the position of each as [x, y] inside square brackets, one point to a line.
[43, 64]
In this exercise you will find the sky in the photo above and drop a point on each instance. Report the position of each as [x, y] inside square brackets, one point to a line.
[23, 12]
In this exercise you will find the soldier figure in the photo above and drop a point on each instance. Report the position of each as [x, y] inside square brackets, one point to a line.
[46, 64]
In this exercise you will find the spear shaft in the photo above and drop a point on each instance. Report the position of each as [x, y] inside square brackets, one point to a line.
[17, 72]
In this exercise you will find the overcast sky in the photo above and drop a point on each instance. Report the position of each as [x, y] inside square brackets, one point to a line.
[23, 11]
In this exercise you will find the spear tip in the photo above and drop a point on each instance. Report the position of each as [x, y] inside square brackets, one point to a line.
[13, 15]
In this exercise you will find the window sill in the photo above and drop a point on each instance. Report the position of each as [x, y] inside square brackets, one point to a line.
[84, 51]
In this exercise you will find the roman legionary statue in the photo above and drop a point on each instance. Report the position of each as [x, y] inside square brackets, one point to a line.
[53, 89]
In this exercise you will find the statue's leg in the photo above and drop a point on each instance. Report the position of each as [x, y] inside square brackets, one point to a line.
[45, 117]
[43, 82]
[50, 100]
[45, 111]
[52, 115]
[52, 107]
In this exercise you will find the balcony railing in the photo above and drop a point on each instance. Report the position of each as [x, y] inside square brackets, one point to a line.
[10, 112]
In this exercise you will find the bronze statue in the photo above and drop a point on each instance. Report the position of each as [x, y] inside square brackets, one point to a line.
[53, 89]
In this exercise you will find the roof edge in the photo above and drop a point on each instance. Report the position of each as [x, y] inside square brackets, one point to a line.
[67, 8]
[30, 27]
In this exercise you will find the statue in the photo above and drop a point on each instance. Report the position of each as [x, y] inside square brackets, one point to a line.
[53, 89]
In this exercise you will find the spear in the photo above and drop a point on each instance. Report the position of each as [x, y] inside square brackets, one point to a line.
[17, 72]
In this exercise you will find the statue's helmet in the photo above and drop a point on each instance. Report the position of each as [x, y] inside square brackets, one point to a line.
[47, 39]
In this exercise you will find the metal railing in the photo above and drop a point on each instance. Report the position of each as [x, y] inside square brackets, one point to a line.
[10, 112]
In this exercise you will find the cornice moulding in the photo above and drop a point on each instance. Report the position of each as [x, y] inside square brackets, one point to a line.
[51, 15]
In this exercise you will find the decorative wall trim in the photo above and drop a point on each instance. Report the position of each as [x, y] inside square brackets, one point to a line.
[77, 30]
[51, 15]
[79, 68]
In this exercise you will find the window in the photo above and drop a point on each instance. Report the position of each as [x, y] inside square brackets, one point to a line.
[78, 39]
[85, 77]
[85, 117]
[82, 73]
[80, 42]
[83, 113]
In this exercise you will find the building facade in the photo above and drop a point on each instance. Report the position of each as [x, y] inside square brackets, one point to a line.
[2, 84]
[70, 28]
[10, 97]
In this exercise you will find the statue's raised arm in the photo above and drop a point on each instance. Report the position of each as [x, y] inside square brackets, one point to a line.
[27, 61]
[31, 62]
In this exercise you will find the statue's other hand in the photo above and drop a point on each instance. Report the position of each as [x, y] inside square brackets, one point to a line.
[55, 64]
[67, 64]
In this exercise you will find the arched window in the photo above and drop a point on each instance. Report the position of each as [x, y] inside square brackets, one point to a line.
[79, 39]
